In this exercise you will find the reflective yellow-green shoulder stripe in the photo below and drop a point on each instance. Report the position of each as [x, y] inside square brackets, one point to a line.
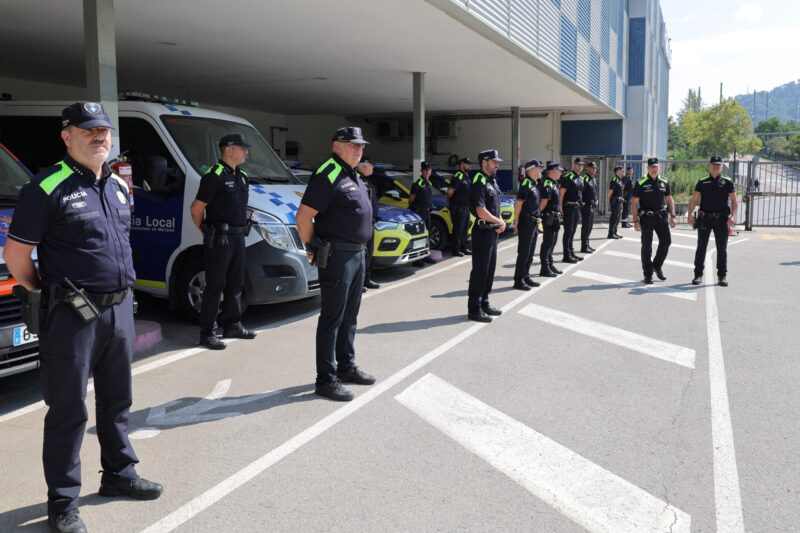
[218, 168]
[420, 182]
[333, 173]
[479, 177]
[243, 171]
[527, 183]
[52, 181]
[459, 175]
[547, 183]
[643, 180]
[726, 178]
[587, 179]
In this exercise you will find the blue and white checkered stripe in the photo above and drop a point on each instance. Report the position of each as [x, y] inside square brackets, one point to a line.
[285, 208]
[176, 110]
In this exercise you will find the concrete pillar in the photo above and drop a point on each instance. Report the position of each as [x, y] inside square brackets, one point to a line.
[418, 141]
[555, 142]
[101, 60]
[516, 146]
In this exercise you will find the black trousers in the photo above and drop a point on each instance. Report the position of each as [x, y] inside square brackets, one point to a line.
[460, 216]
[704, 228]
[340, 290]
[425, 214]
[660, 225]
[570, 226]
[71, 351]
[626, 208]
[587, 223]
[484, 261]
[526, 245]
[616, 209]
[549, 239]
[224, 266]
[368, 258]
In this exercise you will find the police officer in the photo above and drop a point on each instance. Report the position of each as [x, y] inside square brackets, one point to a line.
[653, 206]
[336, 209]
[220, 211]
[419, 200]
[365, 169]
[627, 191]
[571, 188]
[77, 215]
[526, 213]
[550, 209]
[588, 206]
[713, 193]
[484, 205]
[615, 200]
[458, 201]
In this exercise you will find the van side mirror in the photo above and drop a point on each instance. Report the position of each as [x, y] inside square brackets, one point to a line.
[161, 178]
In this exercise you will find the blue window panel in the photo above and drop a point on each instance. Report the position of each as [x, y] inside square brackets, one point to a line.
[591, 137]
[584, 18]
[605, 42]
[612, 89]
[636, 47]
[620, 49]
[569, 49]
[606, 11]
[594, 72]
[556, 3]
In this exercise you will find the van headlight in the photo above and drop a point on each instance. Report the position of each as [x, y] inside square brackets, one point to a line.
[382, 225]
[272, 230]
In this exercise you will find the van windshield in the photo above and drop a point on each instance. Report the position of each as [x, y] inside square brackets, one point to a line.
[12, 178]
[197, 138]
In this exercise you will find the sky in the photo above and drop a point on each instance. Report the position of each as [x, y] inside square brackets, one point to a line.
[746, 45]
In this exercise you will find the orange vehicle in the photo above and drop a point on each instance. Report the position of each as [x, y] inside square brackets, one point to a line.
[19, 349]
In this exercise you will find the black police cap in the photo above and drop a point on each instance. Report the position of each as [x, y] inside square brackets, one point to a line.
[591, 164]
[617, 168]
[578, 161]
[425, 165]
[349, 134]
[233, 139]
[652, 161]
[628, 168]
[85, 115]
[533, 163]
[715, 160]
[464, 161]
[488, 155]
[554, 166]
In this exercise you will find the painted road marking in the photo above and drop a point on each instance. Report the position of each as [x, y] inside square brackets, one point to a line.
[675, 292]
[665, 351]
[582, 491]
[655, 243]
[638, 258]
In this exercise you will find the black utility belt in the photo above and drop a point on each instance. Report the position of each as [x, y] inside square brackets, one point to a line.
[60, 293]
[572, 204]
[347, 246]
[652, 212]
[712, 214]
[531, 217]
[231, 230]
[593, 203]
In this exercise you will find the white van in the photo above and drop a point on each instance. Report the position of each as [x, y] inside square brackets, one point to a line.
[170, 147]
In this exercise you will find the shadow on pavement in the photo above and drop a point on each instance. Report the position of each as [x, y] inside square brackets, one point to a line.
[414, 325]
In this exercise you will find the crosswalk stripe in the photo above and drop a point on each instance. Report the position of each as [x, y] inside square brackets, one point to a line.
[659, 289]
[636, 257]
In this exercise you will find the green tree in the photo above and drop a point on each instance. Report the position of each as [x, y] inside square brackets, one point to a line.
[771, 125]
[676, 139]
[776, 145]
[692, 102]
[794, 147]
[721, 129]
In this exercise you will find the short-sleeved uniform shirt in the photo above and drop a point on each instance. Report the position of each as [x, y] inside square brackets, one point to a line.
[714, 193]
[652, 193]
[573, 185]
[226, 191]
[460, 184]
[484, 192]
[372, 192]
[548, 190]
[627, 186]
[589, 193]
[529, 194]
[421, 190]
[80, 226]
[617, 187]
[342, 202]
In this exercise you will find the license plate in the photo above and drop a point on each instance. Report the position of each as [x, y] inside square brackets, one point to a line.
[23, 336]
[421, 243]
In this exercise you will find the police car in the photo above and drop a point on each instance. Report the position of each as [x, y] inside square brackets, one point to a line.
[441, 180]
[400, 234]
[19, 349]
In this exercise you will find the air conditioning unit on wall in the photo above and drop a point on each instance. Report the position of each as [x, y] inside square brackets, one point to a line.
[444, 129]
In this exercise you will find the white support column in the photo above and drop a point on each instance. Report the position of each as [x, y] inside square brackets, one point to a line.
[555, 141]
[101, 60]
[418, 141]
[516, 146]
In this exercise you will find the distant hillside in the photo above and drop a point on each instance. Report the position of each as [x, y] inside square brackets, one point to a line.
[784, 103]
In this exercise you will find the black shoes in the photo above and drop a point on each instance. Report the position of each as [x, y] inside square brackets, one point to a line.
[722, 282]
[586, 250]
[238, 332]
[369, 284]
[610, 236]
[697, 280]
[569, 259]
[577, 257]
[529, 282]
[659, 274]
[138, 489]
[648, 280]
[355, 375]
[618, 236]
[521, 286]
[334, 390]
[479, 316]
[554, 270]
[491, 311]
[67, 522]
[363, 290]
[458, 254]
[211, 341]
[547, 274]
[626, 225]
[467, 252]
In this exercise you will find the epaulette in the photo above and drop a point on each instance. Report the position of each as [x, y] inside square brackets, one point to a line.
[330, 169]
[60, 172]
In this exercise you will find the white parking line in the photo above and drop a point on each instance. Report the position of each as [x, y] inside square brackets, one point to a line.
[675, 292]
[584, 492]
[638, 258]
[655, 243]
[665, 351]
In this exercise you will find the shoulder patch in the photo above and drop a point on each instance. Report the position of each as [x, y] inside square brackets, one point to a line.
[479, 177]
[217, 169]
[642, 181]
[61, 173]
[726, 178]
[330, 169]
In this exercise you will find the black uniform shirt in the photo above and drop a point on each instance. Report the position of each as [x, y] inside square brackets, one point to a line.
[421, 190]
[483, 192]
[80, 225]
[714, 193]
[617, 187]
[529, 194]
[342, 202]
[226, 192]
[627, 186]
[372, 192]
[573, 185]
[460, 184]
[589, 193]
[548, 190]
[651, 193]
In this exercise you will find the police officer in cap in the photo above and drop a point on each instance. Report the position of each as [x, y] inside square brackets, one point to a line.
[365, 169]
[550, 209]
[627, 190]
[714, 192]
[76, 213]
[588, 206]
[615, 201]
[336, 210]
[458, 200]
[654, 212]
[419, 200]
[220, 211]
[571, 188]
[484, 205]
[526, 213]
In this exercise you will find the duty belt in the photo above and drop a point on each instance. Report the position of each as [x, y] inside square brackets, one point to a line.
[227, 228]
[593, 203]
[572, 204]
[347, 246]
[713, 214]
[651, 212]
[99, 298]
